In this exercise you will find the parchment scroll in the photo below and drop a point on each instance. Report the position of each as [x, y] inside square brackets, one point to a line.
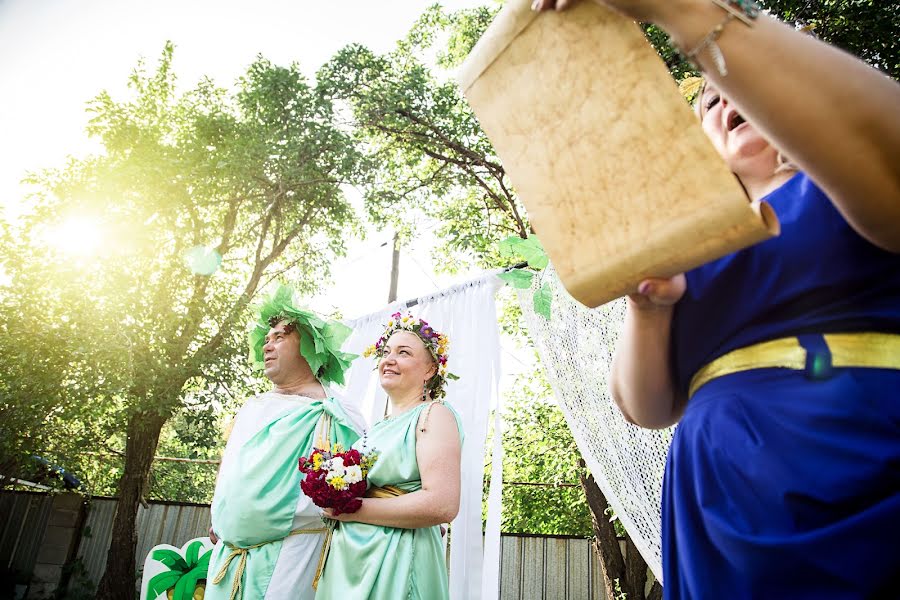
[619, 180]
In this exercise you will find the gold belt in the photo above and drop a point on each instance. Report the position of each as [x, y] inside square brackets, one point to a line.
[388, 491]
[871, 350]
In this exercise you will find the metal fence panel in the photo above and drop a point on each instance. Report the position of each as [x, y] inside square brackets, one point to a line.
[23, 520]
[160, 523]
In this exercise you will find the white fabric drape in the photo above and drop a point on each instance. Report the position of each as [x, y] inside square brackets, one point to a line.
[467, 314]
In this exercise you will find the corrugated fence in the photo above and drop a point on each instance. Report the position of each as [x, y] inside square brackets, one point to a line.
[161, 523]
[23, 519]
[531, 567]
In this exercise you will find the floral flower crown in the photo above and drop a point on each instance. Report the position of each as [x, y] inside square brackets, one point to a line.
[437, 344]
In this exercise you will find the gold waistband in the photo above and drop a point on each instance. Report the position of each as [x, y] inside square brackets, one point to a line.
[872, 350]
[388, 491]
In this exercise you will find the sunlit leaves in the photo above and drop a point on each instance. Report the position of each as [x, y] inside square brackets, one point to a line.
[204, 196]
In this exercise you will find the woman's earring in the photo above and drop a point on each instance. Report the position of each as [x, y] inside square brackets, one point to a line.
[424, 391]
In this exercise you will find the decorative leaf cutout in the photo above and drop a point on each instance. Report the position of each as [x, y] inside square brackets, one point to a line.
[542, 300]
[518, 278]
[529, 249]
[162, 582]
[170, 558]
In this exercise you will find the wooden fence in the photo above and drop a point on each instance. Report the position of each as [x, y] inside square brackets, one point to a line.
[531, 567]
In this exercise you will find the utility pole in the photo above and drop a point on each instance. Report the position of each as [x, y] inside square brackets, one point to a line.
[395, 269]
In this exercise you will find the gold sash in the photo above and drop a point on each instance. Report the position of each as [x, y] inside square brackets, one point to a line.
[388, 491]
[871, 350]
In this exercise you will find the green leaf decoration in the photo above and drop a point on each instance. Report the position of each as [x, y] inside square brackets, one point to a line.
[184, 574]
[529, 249]
[162, 582]
[517, 278]
[452, 377]
[171, 559]
[203, 563]
[542, 300]
[193, 553]
[184, 589]
[320, 341]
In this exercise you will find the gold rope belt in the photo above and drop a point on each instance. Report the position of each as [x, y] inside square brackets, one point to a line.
[237, 551]
[870, 350]
[388, 491]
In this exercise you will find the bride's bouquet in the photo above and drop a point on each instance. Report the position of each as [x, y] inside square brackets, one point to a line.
[336, 478]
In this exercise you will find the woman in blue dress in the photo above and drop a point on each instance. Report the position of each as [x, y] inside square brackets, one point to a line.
[781, 362]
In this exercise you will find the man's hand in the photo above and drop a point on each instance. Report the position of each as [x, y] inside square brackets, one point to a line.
[213, 537]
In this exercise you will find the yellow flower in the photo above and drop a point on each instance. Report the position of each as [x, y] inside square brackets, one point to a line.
[390, 323]
[317, 461]
[369, 351]
[337, 482]
[405, 319]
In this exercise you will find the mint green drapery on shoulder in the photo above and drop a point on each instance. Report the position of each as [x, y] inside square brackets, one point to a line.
[259, 495]
[370, 562]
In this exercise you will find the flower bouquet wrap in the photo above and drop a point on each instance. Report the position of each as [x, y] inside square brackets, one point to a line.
[336, 478]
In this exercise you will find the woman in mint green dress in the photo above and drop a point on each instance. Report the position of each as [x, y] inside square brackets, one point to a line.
[391, 548]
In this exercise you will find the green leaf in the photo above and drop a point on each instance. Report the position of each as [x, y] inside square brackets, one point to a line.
[517, 278]
[507, 247]
[529, 249]
[162, 582]
[171, 559]
[542, 300]
[193, 553]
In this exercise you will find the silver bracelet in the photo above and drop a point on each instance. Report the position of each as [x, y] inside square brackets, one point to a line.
[709, 40]
[745, 11]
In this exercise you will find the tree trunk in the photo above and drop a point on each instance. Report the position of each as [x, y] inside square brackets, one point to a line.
[635, 569]
[118, 581]
[630, 569]
[605, 542]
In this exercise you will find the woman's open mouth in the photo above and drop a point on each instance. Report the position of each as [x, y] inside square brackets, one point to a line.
[734, 121]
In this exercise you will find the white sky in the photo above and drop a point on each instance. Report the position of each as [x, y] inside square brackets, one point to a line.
[55, 55]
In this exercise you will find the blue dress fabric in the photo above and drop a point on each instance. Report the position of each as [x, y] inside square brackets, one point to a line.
[780, 483]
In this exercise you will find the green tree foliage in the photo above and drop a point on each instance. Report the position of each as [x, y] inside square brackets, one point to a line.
[430, 154]
[866, 28]
[203, 198]
[538, 448]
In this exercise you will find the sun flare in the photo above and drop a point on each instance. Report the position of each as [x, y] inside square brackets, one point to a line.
[75, 236]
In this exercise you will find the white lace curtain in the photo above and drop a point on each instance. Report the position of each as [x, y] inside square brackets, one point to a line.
[576, 347]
